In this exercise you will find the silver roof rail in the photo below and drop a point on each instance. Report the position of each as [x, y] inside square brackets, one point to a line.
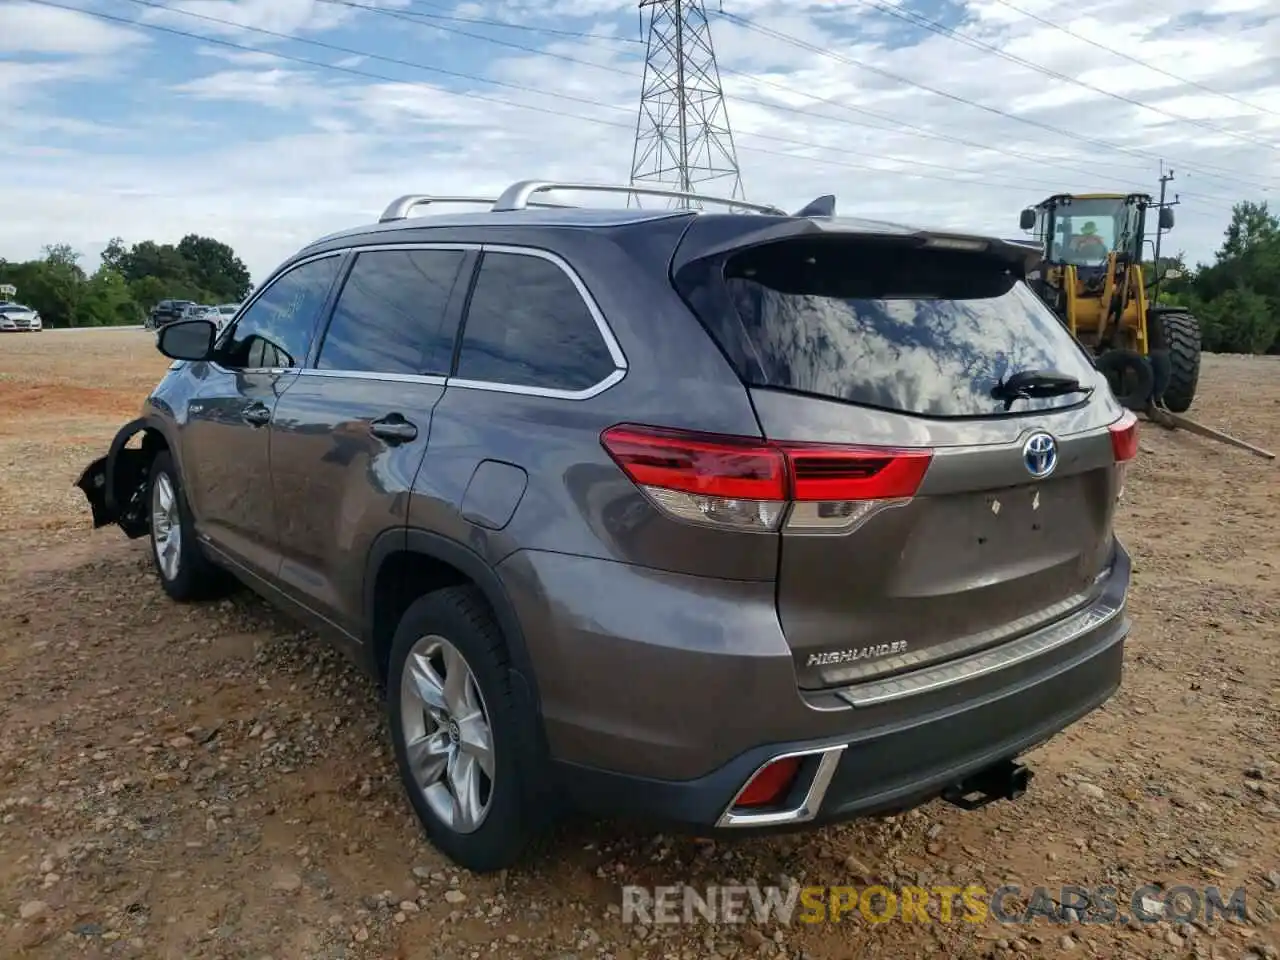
[518, 195]
[399, 208]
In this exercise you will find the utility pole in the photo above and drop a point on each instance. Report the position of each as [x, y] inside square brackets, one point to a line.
[683, 138]
[1164, 183]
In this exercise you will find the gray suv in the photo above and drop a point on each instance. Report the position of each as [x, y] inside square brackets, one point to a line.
[736, 521]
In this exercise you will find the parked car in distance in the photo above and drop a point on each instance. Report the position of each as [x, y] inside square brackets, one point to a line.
[735, 521]
[225, 311]
[19, 318]
[166, 311]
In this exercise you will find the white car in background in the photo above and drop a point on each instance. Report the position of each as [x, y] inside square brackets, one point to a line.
[17, 317]
[223, 313]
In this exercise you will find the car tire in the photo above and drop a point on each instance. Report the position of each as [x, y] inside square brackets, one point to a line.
[185, 572]
[452, 633]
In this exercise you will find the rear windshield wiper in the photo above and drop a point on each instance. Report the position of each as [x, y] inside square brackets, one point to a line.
[1026, 384]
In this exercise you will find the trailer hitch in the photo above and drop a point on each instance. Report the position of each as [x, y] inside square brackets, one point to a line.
[1005, 780]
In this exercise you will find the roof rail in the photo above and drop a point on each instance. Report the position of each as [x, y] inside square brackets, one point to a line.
[517, 196]
[399, 208]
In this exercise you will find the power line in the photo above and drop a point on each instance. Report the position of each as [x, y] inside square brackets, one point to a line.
[416, 19]
[934, 26]
[514, 26]
[1132, 59]
[371, 75]
[895, 124]
[1106, 145]
[348, 51]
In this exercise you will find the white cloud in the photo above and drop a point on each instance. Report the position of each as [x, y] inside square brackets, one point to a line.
[279, 88]
[280, 16]
[297, 152]
[29, 28]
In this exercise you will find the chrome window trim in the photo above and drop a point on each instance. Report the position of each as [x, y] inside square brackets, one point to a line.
[616, 353]
[552, 393]
[423, 378]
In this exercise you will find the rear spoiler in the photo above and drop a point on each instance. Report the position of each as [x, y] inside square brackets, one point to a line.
[716, 237]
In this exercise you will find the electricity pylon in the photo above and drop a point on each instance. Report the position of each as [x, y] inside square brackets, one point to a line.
[683, 139]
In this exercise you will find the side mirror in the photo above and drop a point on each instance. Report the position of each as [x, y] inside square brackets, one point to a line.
[1166, 218]
[186, 339]
[1028, 219]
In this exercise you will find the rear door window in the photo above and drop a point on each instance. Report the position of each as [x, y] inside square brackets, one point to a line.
[916, 331]
[529, 326]
[391, 316]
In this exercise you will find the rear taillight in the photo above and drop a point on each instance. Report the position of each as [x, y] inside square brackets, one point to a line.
[1124, 437]
[754, 484]
[1124, 445]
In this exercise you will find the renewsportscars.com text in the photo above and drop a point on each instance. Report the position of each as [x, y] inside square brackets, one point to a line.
[1009, 904]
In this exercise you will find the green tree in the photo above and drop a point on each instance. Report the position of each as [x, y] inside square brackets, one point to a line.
[114, 254]
[215, 267]
[108, 301]
[130, 281]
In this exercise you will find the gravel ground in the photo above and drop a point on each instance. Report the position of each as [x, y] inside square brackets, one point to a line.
[210, 782]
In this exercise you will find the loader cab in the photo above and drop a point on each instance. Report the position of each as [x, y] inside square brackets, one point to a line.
[1085, 229]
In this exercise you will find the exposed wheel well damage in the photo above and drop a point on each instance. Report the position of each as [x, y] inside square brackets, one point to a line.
[127, 485]
[115, 484]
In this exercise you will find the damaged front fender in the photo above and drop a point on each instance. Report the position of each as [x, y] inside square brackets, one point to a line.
[116, 485]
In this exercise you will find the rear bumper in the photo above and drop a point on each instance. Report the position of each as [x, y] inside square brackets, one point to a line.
[879, 770]
[881, 757]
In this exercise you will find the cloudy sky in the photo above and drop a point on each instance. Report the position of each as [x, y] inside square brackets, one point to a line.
[266, 123]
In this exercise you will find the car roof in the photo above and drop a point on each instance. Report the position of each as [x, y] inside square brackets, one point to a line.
[517, 208]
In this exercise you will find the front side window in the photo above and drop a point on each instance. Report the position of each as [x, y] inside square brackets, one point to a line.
[527, 325]
[278, 329]
[391, 314]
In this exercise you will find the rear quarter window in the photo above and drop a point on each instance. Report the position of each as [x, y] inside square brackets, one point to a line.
[528, 326]
[877, 324]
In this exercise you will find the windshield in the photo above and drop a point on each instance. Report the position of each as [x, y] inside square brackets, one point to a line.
[1086, 232]
[14, 308]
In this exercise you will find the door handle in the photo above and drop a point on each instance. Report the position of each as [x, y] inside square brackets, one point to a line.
[257, 414]
[393, 428]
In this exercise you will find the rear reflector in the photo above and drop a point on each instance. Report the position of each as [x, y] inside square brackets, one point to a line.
[714, 465]
[770, 785]
[1124, 437]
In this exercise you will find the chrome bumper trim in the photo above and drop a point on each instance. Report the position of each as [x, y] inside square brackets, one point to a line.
[1006, 655]
[806, 809]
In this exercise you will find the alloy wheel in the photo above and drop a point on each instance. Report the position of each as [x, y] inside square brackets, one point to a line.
[447, 734]
[166, 526]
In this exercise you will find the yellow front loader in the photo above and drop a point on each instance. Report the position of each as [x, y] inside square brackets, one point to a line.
[1091, 275]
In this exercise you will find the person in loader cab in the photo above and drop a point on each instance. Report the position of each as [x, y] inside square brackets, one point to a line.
[1088, 245]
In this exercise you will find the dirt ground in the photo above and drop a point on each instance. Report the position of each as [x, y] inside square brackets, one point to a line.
[207, 781]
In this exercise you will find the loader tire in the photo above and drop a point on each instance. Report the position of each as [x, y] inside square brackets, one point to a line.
[1180, 333]
[1129, 375]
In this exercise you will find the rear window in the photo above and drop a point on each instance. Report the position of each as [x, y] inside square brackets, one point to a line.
[910, 330]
